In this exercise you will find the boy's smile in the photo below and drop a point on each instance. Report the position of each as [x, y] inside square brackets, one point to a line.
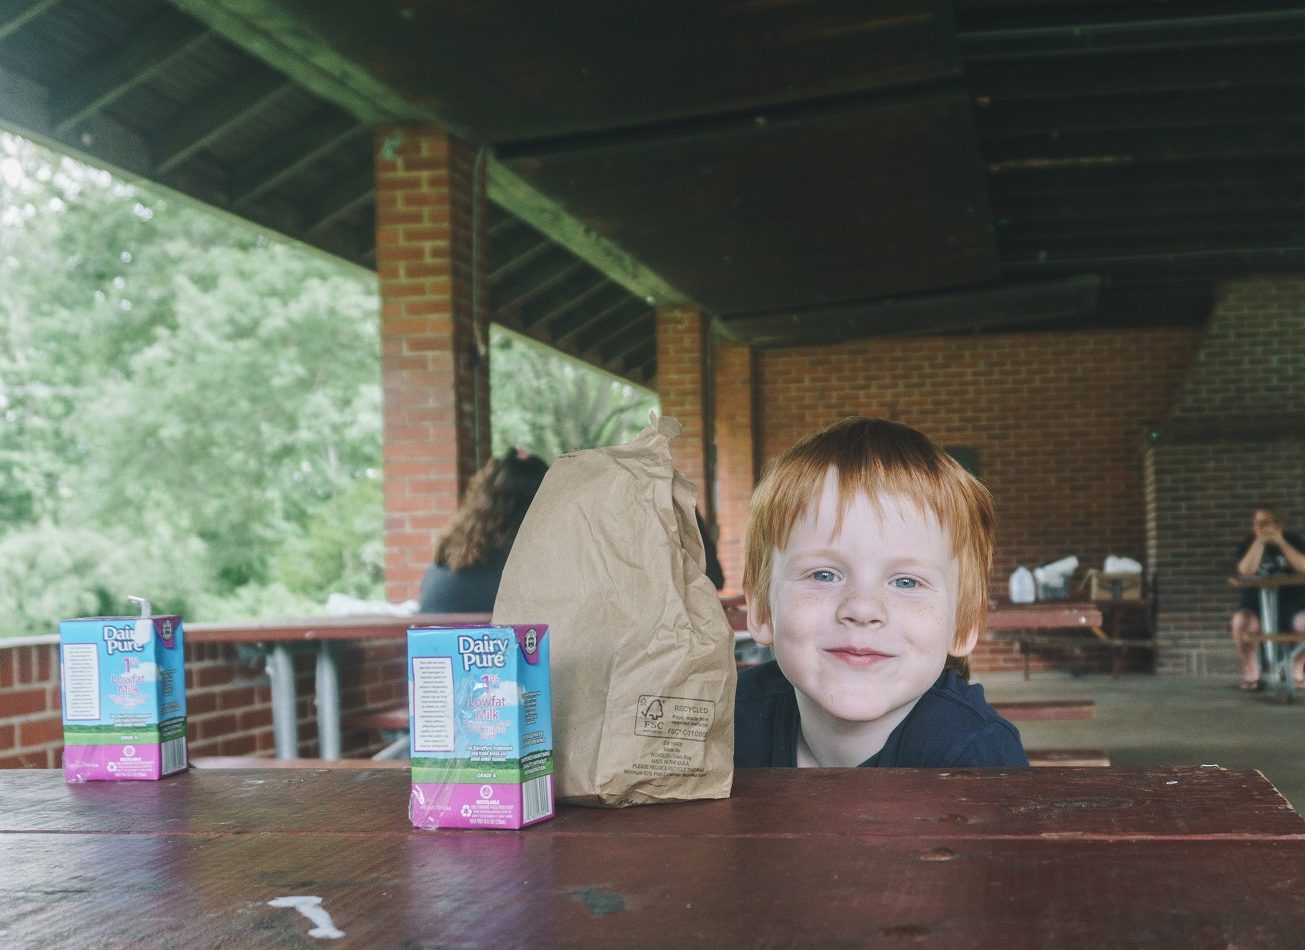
[861, 621]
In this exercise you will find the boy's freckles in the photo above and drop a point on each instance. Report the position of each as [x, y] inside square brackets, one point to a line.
[861, 620]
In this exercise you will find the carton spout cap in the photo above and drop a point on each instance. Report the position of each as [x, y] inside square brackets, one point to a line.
[144, 626]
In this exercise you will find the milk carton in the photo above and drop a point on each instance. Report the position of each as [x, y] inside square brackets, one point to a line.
[481, 726]
[124, 697]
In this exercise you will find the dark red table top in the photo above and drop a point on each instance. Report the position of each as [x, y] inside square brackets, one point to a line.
[1043, 857]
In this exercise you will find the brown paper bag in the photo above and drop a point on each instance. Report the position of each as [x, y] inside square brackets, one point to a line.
[610, 557]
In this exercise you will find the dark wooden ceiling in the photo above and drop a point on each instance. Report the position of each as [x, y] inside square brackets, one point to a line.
[808, 172]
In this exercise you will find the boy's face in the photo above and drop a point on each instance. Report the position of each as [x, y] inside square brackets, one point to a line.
[861, 622]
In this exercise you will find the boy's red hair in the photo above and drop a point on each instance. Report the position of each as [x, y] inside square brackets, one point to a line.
[877, 457]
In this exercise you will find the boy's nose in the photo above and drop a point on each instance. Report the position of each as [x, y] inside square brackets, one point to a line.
[862, 606]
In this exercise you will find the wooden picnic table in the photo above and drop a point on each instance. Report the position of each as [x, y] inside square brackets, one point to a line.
[1076, 624]
[797, 857]
[1277, 663]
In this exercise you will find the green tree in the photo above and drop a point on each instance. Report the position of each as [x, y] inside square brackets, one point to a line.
[190, 410]
[548, 403]
[182, 401]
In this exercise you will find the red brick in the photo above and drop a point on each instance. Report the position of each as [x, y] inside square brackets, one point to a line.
[215, 675]
[32, 759]
[198, 703]
[35, 732]
[238, 745]
[212, 727]
[24, 702]
[235, 697]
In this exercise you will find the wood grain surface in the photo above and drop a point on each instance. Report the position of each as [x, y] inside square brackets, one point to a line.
[1053, 857]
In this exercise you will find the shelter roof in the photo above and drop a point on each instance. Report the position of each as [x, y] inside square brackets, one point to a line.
[805, 171]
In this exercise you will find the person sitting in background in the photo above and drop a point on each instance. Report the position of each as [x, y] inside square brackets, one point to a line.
[471, 554]
[1267, 551]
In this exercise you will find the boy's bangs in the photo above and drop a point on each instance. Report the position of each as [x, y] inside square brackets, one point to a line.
[929, 487]
[875, 457]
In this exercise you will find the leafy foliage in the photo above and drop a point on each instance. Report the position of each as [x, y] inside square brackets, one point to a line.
[548, 404]
[190, 410]
[186, 405]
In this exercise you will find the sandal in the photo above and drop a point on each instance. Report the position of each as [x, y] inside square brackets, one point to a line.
[1254, 686]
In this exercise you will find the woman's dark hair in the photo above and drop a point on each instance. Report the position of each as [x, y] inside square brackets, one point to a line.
[491, 511]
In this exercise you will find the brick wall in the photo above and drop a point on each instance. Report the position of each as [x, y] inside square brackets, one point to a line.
[432, 258]
[736, 457]
[682, 390]
[1057, 419]
[1236, 438]
[228, 699]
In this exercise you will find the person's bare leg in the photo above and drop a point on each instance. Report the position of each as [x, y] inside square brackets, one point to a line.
[1298, 668]
[1244, 626]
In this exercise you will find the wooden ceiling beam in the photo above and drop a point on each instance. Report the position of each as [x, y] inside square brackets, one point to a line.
[511, 250]
[546, 271]
[632, 338]
[1162, 265]
[1254, 200]
[1009, 305]
[1060, 181]
[577, 287]
[16, 14]
[565, 330]
[618, 331]
[1155, 241]
[208, 119]
[641, 365]
[341, 197]
[1161, 71]
[1236, 30]
[294, 151]
[1020, 118]
[547, 216]
[1243, 141]
[565, 305]
[98, 85]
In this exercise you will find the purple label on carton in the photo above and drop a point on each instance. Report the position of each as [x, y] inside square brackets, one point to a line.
[99, 763]
[472, 806]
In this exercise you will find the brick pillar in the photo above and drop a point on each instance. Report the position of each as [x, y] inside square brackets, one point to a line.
[432, 258]
[736, 457]
[682, 386]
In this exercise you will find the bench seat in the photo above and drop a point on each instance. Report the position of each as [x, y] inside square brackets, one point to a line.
[1045, 710]
[1077, 641]
[1039, 758]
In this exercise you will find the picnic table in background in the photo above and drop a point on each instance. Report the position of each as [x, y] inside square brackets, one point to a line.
[797, 857]
[1277, 663]
[324, 633]
[1078, 625]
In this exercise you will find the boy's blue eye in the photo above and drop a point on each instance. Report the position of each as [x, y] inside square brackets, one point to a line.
[825, 577]
[906, 583]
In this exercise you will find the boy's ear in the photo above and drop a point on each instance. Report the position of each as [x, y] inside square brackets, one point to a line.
[966, 646]
[760, 629]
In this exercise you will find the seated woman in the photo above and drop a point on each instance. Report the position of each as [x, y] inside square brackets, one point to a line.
[471, 554]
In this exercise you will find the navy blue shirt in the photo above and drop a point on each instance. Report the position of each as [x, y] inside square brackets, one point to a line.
[469, 591]
[951, 726]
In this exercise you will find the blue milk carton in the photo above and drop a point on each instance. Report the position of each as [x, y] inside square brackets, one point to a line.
[124, 697]
[481, 726]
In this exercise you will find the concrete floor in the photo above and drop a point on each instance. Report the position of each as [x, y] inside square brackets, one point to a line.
[1170, 720]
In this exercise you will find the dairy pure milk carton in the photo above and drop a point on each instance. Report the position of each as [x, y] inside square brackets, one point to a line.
[124, 697]
[481, 726]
